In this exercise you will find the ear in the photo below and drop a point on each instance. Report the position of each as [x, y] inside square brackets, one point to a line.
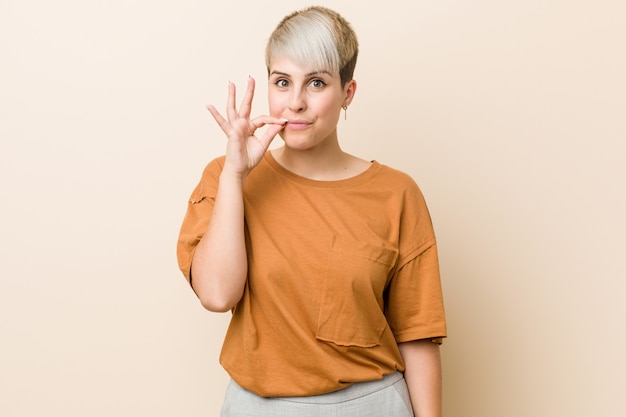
[349, 91]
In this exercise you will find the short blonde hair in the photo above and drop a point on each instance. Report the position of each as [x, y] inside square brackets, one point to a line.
[315, 36]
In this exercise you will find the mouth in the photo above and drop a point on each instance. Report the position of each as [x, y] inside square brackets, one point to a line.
[297, 124]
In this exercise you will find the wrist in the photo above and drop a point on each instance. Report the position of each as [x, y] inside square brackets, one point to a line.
[232, 176]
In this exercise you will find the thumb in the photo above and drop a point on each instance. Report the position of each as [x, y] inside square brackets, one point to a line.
[270, 134]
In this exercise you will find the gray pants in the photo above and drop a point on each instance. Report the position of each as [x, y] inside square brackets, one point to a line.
[388, 397]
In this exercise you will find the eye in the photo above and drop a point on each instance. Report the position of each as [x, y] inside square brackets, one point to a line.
[282, 83]
[317, 83]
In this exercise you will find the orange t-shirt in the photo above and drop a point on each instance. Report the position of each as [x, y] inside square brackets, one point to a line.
[339, 272]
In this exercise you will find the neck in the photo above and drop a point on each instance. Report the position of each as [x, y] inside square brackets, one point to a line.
[330, 163]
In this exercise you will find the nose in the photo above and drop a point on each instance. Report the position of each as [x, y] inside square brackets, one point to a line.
[297, 101]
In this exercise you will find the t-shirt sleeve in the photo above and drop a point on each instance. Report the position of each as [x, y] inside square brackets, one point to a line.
[414, 304]
[414, 300]
[196, 220]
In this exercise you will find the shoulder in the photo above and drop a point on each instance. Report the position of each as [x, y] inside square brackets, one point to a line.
[212, 170]
[395, 173]
[207, 186]
[214, 166]
[397, 180]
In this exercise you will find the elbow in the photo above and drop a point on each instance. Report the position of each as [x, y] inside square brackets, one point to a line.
[216, 305]
[218, 301]
[217, 292]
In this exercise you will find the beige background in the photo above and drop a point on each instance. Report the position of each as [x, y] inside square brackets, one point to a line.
[510, 115]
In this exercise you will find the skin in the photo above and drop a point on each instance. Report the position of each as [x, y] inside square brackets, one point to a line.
[305, 105]
[220, 266]
[311, 100]
[423, 376]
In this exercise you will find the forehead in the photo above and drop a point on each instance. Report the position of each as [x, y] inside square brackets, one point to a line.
[289, 66]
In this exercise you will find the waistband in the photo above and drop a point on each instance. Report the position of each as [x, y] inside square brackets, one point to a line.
[354, 391]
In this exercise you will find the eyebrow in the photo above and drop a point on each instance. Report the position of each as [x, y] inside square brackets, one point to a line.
[306, 75]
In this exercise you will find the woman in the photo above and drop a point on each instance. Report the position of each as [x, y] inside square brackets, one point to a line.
[327, 261]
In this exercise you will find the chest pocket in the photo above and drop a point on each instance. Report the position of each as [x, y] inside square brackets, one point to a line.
[351, 310]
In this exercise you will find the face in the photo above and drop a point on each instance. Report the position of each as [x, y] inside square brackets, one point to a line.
[311, 99]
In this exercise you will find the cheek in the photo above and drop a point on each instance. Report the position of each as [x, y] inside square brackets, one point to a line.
[329, 108]
[275, 105]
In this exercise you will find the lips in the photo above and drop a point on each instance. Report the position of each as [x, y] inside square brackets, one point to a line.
[297, 124]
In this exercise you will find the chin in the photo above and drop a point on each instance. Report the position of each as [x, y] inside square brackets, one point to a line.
[297, 142]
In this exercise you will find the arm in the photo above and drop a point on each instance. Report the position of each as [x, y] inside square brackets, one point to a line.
[423, 376]
[220, 266]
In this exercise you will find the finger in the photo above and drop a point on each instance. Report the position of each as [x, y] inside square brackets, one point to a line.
[223, 123]
[246, 104]
[270, 134]
[261, 121]
[267, 120]
[231, 109]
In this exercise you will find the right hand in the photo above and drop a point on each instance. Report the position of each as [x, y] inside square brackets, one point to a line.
[245, 150]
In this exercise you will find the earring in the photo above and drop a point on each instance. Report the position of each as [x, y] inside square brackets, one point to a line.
[345, 112]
